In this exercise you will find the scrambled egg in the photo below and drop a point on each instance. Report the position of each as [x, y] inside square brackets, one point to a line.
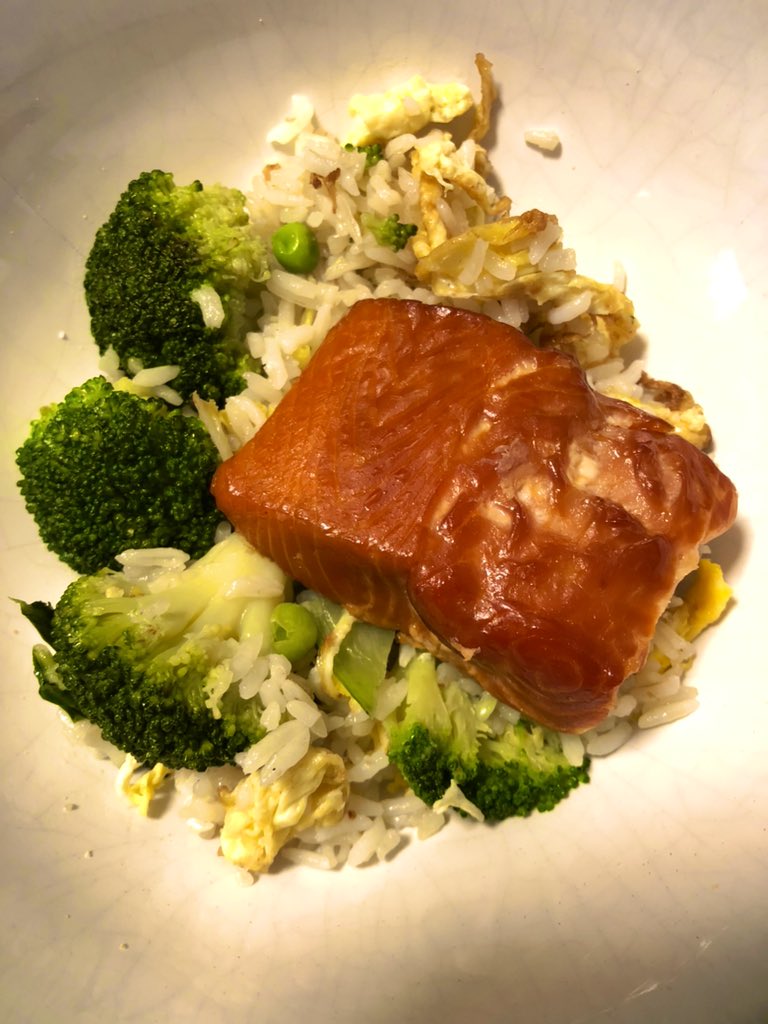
[491, 260]
[704, 601]
[605, 323]
[597, 334]
[441, 267]
[329, 648]
[378, 117]
[455, 168]
[439, 167]
[259, 820]
[140, 791]
[672, 404]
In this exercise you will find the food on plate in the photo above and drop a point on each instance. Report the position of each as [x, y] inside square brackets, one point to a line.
[107, 469]
[671, 403]
[378, 117]
[436, 473]
[261, 818]
[151, 659]
[441, 742]
[543, 138]
[169, 279]
[140, 790]
[388, 231]
[285, 725]
[295, 248]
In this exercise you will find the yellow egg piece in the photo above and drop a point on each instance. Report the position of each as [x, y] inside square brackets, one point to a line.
[704, 601]
[140, 791]
[378, 117]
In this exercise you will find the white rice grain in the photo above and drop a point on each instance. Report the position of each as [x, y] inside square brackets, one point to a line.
[571, 309]
[211, 308]
[557, 259]
[359, 804]
[429, 824]
[250, 683]
[671, 711]
[542, 138]
[399, 146]
[601, 744]
[304, 291]
[321, 859]
[368, 767]
[307, 714]
[146, 558]
[154, 377]
[271, 715]
[244, 417]
[211, 419]
[543, 241]
[500, 268]
[278, 751]
[296, 122]
[377, 841]
[109, 365]
[390, 696]
[625, 705]
[250, 586]
[669, 642]
[204, 829]
[474, 264]
[573, 748]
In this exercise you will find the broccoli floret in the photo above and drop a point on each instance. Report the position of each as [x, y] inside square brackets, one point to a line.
[40, 615]
[522, 771]
[435, 739]
[373, 152]
[167, 252]
[441, 735]
[388, 231]
[104, 470]
[155, 665]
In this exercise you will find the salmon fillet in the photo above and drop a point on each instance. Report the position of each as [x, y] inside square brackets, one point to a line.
[436, 473]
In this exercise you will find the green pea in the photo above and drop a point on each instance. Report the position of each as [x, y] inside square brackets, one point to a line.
[294, 631]
[295, 248]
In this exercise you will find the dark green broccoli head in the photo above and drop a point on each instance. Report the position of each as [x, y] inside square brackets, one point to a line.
[105, 470]
[441, 735]
[152, 667]
[425, 764]
[435, 737]
[161, 244]
[522, 771]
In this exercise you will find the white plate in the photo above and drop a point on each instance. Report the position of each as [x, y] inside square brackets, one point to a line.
[645, 896]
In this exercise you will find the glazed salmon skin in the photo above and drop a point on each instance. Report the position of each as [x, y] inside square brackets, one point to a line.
[436, 473]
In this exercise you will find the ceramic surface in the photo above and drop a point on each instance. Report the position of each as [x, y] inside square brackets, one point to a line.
[645, 896]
